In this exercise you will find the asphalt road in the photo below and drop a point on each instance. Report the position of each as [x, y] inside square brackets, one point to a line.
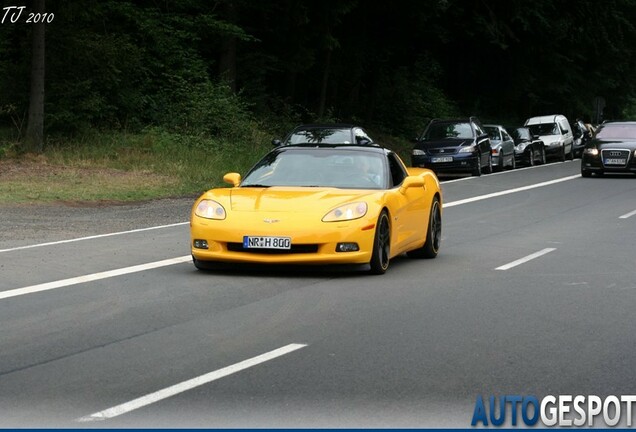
[533, 293]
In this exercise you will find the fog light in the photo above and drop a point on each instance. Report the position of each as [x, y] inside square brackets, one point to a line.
[347, 247]
[201, 244]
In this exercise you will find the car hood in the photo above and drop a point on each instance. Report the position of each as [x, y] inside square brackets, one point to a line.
[295, 199]
[550, 138]
[630, 144]
[445, 143]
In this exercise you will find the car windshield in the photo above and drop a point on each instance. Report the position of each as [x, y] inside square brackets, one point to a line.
[320, 135]
[614, 131]
[347, 169]
[520, 134]
[440, 131]
[493, 133]
[545, 129]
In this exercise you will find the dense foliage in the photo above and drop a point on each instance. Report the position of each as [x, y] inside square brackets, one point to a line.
[218, 68]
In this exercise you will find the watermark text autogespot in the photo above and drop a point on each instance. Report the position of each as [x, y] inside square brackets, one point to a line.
[561, 410]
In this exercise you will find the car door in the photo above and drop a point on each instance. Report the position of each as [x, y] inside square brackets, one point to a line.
[408, 208]
[507, 143]
[483, 143]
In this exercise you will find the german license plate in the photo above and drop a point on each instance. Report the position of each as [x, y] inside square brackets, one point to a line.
[615, 161]
[442, 159]
[266, 242]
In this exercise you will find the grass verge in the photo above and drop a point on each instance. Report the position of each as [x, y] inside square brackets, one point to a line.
[116, 166]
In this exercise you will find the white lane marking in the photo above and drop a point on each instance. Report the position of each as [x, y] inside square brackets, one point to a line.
[501, 172]
[188, 385]
[91, 277]
[509, 191]
[525, 259]
[630, 214]
[185, 223]
[92, 237]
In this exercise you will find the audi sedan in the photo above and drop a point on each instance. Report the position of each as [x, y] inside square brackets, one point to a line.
[613, 150]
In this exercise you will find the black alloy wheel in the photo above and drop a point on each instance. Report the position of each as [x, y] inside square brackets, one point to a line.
[430, 248]
[381, 245]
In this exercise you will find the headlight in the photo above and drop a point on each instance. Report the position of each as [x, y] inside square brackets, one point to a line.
[591, 151]
[210, 209]
[521, 147]
[346, 212]
[555, 143]
[418, 152]
[468, 149]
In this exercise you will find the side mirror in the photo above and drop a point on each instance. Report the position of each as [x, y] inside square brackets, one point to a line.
[276, 142]
[411, 182]
[232, 178]
[364, 141]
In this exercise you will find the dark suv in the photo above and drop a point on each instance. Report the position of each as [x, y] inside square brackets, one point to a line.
[453, 145]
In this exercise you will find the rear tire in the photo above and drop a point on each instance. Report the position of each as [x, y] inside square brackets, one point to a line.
[433, 234]
[381, 245]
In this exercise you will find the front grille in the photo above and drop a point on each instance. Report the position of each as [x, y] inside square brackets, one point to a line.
[295, 249]
[609, 154]
[442, 151]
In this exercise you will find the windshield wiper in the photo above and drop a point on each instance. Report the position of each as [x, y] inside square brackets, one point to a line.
[256, 185]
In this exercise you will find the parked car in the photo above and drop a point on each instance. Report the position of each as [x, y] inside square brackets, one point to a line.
[529, 149]
[334, 133]
[612, 150]
[581, 136]
[502, 147]
[453, 145]
[318, 204]
[556, 134]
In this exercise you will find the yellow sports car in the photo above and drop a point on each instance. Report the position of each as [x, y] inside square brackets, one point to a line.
[320, 204]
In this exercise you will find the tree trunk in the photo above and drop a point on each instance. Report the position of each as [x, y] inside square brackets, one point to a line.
[34, 139]
[324, 84]
[227, 62]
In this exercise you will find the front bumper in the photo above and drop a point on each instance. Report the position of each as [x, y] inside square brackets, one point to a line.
[599, 163]
[312, 243]
[461, 162]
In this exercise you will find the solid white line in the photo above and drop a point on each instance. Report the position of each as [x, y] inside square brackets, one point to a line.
[188, 385]
[509, 191]
[93, 237]
[91, 277]
[630, 214]
[526, 259]
[501, 172]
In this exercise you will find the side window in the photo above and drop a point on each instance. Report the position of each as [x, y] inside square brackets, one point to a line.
[398, 173]
[506, 137]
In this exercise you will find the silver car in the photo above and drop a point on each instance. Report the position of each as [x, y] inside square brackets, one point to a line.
[502, 147]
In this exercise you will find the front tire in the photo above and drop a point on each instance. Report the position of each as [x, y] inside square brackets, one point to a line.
[477, 169]
[433, 234]
[563, 153]
[381, 245]
[203, 265]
